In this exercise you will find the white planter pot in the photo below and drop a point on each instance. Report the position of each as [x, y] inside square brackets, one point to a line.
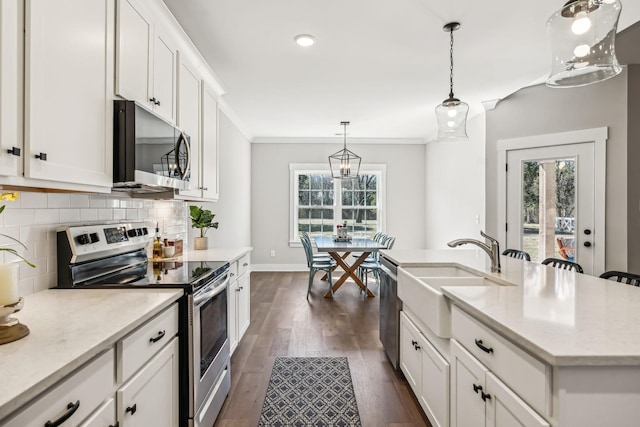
[201, 243]
[9, 283]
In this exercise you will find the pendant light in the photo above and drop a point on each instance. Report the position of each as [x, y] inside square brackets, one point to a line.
[344, 164]
[582, 35]
[452, 113]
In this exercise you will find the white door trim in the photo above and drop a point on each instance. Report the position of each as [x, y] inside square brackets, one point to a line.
[596, 135]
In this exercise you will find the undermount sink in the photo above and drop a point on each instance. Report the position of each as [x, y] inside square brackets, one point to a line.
[419, 288]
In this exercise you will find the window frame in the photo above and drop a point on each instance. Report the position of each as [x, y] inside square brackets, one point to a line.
[296, 169]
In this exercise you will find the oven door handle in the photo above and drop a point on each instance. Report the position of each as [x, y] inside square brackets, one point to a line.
[209, 293]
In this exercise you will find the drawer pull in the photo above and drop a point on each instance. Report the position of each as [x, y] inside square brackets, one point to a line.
[245, 264]
[132, 409]
[71, 409]
[238, 289]
[415, 345]
[42, 156]
[117, 424]
[14, 151]
[157, 338]
[483, 348]
[477, 388]
[485, 396]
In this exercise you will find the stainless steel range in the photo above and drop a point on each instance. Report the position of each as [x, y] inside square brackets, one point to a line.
[115, 256]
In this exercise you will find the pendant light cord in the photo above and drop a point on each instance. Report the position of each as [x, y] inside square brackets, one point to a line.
[451, 66]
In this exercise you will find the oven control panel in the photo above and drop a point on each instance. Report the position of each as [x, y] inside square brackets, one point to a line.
[90, 240]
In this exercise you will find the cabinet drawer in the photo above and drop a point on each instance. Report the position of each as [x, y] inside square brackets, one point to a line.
[137, 348]
[103, 416]
[526, 375]
[77, 396]
[244, 264]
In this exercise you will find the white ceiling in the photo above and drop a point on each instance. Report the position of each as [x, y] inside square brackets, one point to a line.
[381, 64]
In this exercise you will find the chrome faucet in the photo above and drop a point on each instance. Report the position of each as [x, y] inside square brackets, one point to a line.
[493, 251]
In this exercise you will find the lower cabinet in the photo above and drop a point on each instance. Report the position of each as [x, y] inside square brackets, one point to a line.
[239, 299]
[150, 397]
[426, 371]
[142, 370]
[479, 398]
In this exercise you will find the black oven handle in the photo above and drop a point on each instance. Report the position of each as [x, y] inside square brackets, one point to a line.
[209, 292]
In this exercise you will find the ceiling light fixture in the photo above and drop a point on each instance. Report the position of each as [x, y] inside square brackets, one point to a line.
[582, 35]
[452, 113]
[304, 40]
[344, 164]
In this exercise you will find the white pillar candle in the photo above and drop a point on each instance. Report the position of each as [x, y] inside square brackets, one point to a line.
[9, 283]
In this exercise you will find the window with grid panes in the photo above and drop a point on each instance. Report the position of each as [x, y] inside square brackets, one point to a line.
[320, 202]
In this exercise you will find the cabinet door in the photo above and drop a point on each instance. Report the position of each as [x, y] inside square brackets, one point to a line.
[133, 52]
[506, 409]
[467, 386]
[410, 362]
[150, 398]
[68, 90]
[435, 384]
[104, 416]
[11, 83]
[189, 120]
[165, 60]
[232, 310]
[244, 304]
[210, 187]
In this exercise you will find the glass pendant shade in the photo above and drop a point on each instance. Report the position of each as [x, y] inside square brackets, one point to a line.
[582, 36]
[344, 164]
[452, 120]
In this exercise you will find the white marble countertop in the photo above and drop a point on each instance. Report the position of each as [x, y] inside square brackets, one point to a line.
[561, 317]
[68, 328]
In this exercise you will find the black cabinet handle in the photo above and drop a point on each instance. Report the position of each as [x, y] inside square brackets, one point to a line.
[71, 409]
[14, 150]
[587, 231]
[483, 348]
[238, 289]
[42, 156]
[117, 424]
[132, 409]
[477, 388]
[485, 396]
[157, 338]
[587, 244]
[157, 102]
[245, 264]
[152, 100]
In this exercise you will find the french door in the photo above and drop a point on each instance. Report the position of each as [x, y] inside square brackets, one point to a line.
[554, 199]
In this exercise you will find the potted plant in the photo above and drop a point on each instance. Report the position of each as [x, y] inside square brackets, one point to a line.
[203, 220]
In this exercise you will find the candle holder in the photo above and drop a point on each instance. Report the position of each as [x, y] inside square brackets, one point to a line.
[10, 328]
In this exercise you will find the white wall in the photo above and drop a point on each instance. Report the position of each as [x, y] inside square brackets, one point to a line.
[455, 200]
[233, 209]
[34, 217]
[271, 188]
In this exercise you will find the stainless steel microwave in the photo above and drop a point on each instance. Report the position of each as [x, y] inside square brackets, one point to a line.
[150, 155]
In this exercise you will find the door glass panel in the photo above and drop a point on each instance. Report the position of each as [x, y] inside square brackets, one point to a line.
[549, 208]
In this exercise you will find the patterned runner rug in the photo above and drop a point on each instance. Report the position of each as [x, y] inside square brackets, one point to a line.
[310, 391]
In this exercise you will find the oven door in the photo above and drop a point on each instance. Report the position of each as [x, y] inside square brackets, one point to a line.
[210, 336]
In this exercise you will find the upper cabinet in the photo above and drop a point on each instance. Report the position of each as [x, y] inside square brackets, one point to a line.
[189, 121]
[11, 83]
[146, 60]
[68, 94]
[210, 154]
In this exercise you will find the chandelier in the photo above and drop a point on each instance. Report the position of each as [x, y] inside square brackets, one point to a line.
[344, 164]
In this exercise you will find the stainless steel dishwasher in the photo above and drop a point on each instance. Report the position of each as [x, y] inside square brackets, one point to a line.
[390, 306]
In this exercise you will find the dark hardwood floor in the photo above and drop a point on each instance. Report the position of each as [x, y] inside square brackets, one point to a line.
[283, 323]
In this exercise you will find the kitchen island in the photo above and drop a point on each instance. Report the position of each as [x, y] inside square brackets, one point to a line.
[564, 346]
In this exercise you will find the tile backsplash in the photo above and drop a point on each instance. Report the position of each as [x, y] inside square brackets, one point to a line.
[34, 217]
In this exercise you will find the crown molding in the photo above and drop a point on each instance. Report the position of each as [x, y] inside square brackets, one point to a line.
[336, 140]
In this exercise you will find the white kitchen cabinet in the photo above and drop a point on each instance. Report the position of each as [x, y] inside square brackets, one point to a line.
[69, 50]
[239, 303]
[74, 398]
[11, 84]
[189, 107]
[209, 171]
[479, 398]
[104, 416]
[150, 397]
[426, 371]
[146, 60]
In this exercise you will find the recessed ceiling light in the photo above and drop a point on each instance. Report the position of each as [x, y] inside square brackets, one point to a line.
[305, 40]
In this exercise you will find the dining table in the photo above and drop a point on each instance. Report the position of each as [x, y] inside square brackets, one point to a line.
[340, 251]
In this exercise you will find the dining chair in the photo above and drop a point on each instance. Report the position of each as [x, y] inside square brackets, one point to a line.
[317, 256]
[563, 264]
[373, 265]
[622, 277]
[516, 253]
[317, 265]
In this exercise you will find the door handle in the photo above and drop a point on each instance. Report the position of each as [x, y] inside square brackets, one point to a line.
[15, 151]
[482, 347]
[71, 409]
[42, 156]
[587, 231]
